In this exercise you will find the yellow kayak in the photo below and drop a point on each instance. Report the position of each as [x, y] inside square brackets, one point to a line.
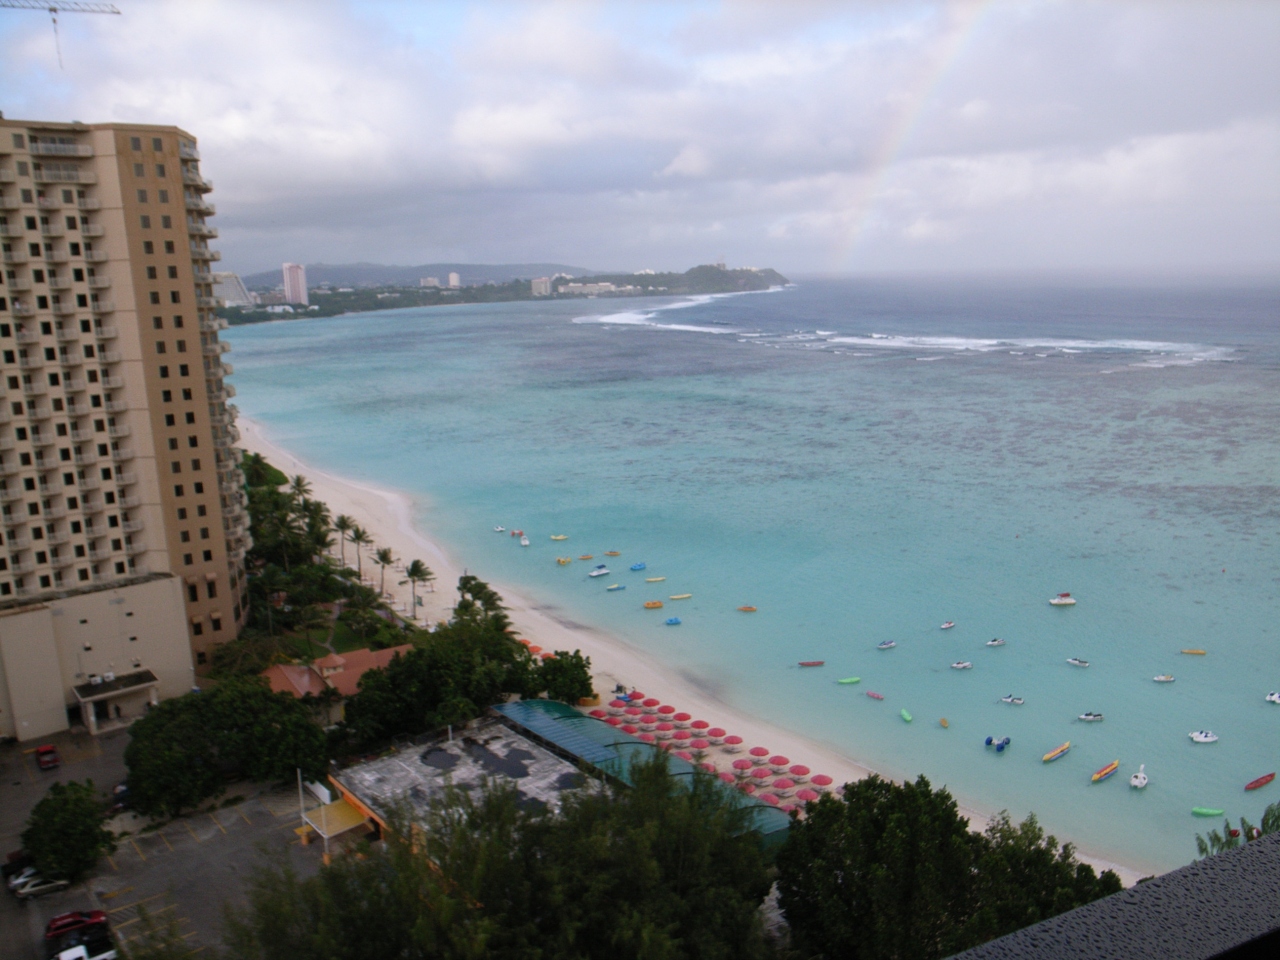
[612, 553]
[654, 579]
[1198, 653]
[681, 596]
[944, 722]
[559, 536]
[653, 604]
[1056, 752]
[564, 561]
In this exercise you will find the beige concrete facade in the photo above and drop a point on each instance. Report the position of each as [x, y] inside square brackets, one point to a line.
[117, 450]
[97, 655]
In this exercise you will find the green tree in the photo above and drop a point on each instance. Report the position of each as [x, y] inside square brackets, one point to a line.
[64, 833]
[1231, 838]
[259, 473]
[360, 538]
[344, 525]
[883, 872]
[300, 486]
[417, 572]
[567, 676]
[383, 558]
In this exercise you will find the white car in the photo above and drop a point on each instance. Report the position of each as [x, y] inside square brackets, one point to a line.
[38, 887]
[18, 879]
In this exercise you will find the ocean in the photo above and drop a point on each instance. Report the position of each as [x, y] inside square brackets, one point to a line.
[863, 460]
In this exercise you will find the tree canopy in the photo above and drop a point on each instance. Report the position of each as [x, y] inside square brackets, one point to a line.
[64, 833]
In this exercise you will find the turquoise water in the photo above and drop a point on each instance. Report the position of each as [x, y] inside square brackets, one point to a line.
[862, 461]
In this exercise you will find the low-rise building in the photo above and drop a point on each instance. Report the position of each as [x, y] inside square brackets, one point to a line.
[541, 286]
[339, 672]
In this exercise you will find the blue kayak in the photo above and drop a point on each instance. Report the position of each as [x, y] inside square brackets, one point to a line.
[617, 586]
[637, 566]
[673, 621]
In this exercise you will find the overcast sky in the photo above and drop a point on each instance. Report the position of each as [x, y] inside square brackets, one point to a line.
[809, 136]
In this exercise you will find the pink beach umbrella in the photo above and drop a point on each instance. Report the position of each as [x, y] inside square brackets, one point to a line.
[821, 781]
[732, 744]
[648, 721]
[759, 754]
[747, 786]
[617, 706]
[782, 786]
[648, 737]
[650, 702]
[666, 711]
[699, 725]
[788, 807]
[760, 774]
[698, 744]
[806, 794]
[630, 728]
[664, 731]
[636, 697]
[799, 773]
[613, 721]
[769, 798]
[682, 720]
[547, 656]
[742, 764]
[708, 768]
[683, 736]
[726, 777]
[633, 711]
[685, 755]
[779, 763]
[716, 735]
[598, 714]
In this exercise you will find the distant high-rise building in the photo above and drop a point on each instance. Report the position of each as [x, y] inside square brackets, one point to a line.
[541, 287]
[428, 281]
[229, 288]
[455, 281]
[120, 486]
[295, 283]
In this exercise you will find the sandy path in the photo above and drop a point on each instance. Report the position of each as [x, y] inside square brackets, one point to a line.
[387, 515]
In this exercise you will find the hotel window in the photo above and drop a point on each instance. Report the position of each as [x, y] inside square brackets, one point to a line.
[188, 559]
[191, 417]
[169, 420]
[148, 246]
[176, 466]
[164, 374]
[175, 296]
[159, 346]
[193, 441]
[173, 441]
[155, 296]
[142, 196]
[168, 246]
[151, 273]
[146, 222]
[184, 371]
[195, 465]
[208, 555]
[139, 170]
[157, 144]
[193, 592]
[19, 141]
[204, 535]
[177, 321]
[160, 170]
[157, 323]
[164, 195]
[217, 623]
[135, 143]
[198, 487]
[184, 536]
[166, 221]
[173, 273]
[181, 345]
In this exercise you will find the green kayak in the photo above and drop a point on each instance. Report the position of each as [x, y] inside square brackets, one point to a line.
[850, 680]
[1207, 811]
[906, 716]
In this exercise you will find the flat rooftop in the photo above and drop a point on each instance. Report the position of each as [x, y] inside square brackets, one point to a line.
[488, 751]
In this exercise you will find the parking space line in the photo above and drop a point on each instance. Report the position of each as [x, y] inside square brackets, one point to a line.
[187, 824]
[122, 925]
[135, 903]
[166, 842]
[215, 820]
[112, 861]
[139, 849]
[246, 819]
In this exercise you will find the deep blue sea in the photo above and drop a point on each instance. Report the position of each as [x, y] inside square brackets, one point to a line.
[863, 460]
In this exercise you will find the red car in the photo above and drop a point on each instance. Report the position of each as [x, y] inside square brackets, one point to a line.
[75, 920]
[47, 757]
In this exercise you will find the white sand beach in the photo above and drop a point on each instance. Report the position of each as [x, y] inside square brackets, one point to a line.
[387, 515]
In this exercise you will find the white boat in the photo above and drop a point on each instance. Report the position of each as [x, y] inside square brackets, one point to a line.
[600, 571]
[524, 541]
[1204, 736]
[1164, 678]
[962, 665]
[1063, 600]
[886, 644]
[499, 529]
[997, 642]
[1016, 701]
[1139, 779]
[1077, 662]
[1090, 717]
[948, 625]
[1273, 696]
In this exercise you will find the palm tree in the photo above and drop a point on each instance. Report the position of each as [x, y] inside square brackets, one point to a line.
[344, 525]
[361, 539]
[384, 559]
[300, 487]
[417, 572]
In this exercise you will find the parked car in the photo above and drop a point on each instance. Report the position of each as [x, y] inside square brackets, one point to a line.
[47, 757]
[87, 943]
[20, 877]
[14, 864]
[64, 923]
[119, 799]
[39, 886]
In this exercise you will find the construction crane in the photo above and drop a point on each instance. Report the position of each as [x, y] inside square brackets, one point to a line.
[54, 9]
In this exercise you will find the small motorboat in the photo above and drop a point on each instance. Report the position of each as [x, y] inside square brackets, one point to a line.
[886, 644]
[962, 665]
[654, 579]
[586, 556]
[680, 596]
[1164, 678]
[653, 604]
[1063, 600]
[559, 536]
[1203, 736]
[747, 609]
[1208, 811]
[998, 742]
[1195, 653]
[612, 553]
[997, 642]
[905, 716]
[1262, 781]
[1139, 779]
[1107, 771]
[524, 541]
[948, 625]
[600, 571]
[1090, 717]
[875, 696]
[850, 680]
[1077, 662]
[1273, 696]
[616, 586]
[944, 723]
[564, 561]
[499, 529]
[1016, 701]
[637, 566]
[673, 621]
[1056, 752]
[812, 663]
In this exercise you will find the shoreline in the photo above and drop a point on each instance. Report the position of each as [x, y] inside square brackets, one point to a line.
[388, 516]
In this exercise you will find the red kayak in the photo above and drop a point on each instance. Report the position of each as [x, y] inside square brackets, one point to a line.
[1260, 782]
[875, 696]
[812, 663]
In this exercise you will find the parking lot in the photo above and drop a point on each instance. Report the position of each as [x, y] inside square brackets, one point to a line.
[184, 872]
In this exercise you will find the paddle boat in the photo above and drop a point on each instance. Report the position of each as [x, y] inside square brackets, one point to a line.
[499, 529]
[948, 625]
[1056, 752]
[875, 696]
[812, 663]
[1139, 779]
[1203, 736]
[654, 579]
[962, 665]
[564, 561]
[673, 621]
[524, 541]
[1090, 717]
[944, 723]
[1077, 662]
[1107, 771]
[1016, 701]
[886, 644]
[850, 680]
[1164, 678]
[600, 571]
[1273, 696]
[1194, 653]
[905, 716]
[612, 553]
[997, 642]
[653, 604]
[616, 586]
[998, 742]
[1063, 600]
[559, 536]
[637, 567]
[747, 609]
[680, 596]
[1208, 811]
[1262, 781]
[517, 533]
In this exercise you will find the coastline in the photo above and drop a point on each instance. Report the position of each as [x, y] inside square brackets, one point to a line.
[388, 515]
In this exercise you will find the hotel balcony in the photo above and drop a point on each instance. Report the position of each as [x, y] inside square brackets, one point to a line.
[18, 543]
[78, 410]
[35, 389]
[200, 206]
[48, 203]
[57, 538]
[122, 454]
[117, 432]
[125, 479]
[85, 459]
[131, 526]
[95, 256]
[72, 385]
[62, 561]
[19, 285]
[21, 567]
[39, 149]
[31, 363]
[10, 230]
[217, 348]
[63, 308]
[88, 205]
[55, 513]
[99, 283]
[67, 335]
[9, 203]
[20, 308]
[59, 283]
[26, 336]
[88, 482]
[81, 436]
[133, 549]
[213, 324]
[188, 151]
[16, 256]
[129, 503]
[198, 228]
[56, 256]
[102, 306]
[92, 230]
[209, 303]
[193, 179]
[64, 176]
[106, 333]
[9, 496]
[52, 230]
[112, 383]
[109, 356]
[116, 406]
[96, 553]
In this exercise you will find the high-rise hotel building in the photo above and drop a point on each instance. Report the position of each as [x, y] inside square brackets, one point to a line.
[117, 462]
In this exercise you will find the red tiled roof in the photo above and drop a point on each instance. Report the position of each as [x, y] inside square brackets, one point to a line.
[357, 662]
[347, 669]
[294, 679]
